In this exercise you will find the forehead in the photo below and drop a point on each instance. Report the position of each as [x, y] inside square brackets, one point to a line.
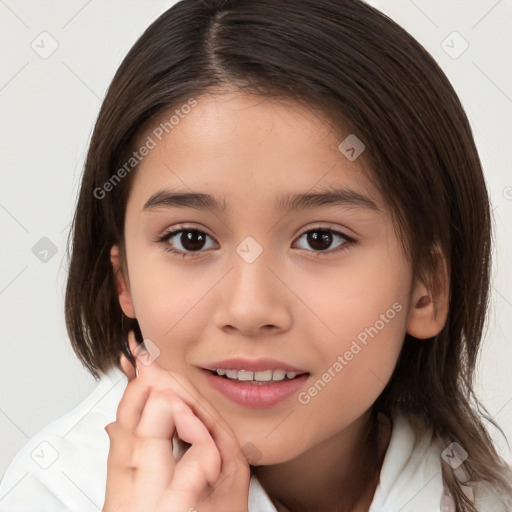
[221, 116]
[246, 145]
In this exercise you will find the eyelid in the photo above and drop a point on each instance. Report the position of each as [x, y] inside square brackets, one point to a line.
[319, 225]
[348, 233]
[329, 226]
[184, 227]
[348, 240]
[168, 233]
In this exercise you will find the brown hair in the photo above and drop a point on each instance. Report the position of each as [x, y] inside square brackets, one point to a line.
[357, 66]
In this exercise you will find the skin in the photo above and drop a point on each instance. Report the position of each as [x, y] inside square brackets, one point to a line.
[289, 304]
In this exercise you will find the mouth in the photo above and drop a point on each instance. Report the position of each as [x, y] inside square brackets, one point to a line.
[255, 394]
[262, 377]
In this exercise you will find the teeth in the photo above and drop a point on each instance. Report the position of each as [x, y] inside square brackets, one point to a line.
[263, 376]
[244, 375]
[260, 376]
[278, 375]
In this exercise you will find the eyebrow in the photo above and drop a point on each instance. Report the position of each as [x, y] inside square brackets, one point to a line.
[333, 196]
[346, 198]
[170, 199]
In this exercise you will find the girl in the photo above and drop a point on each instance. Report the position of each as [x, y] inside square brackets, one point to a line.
[284, 228]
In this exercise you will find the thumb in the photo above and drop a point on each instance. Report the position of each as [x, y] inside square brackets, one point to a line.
[127, 367]
[126, 364]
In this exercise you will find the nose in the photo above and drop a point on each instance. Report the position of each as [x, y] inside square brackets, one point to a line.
[253, 298]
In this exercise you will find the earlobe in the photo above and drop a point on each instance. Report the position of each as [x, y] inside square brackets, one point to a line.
[122, 284]
[429, 306]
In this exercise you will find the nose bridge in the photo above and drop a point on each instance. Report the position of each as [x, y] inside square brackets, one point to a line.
[252, 296]
[250, 250]
[251, 269]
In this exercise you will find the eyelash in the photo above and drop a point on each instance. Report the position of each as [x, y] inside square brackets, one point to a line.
[164, 240]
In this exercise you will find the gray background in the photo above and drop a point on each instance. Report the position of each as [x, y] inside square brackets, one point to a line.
[48, 107]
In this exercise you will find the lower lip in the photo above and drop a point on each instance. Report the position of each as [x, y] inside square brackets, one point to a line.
[256, 396]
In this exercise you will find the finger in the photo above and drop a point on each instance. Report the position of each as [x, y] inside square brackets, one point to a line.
[131, 405]
[152, 374]
[221, 434]
[120, 451]
[233, 458]
[220, 431]
[127, 367]
[153, 451]
[133, 345]
[157, 418]
[201, 464]
[145, 353]
[154, 466]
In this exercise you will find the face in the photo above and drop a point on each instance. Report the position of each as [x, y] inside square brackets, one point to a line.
[323, 287]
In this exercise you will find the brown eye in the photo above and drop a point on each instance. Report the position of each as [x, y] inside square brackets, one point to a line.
[192, 240]
[182, 241]
[321, 240]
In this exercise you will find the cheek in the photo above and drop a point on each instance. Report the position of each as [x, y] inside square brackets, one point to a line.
[168, 298]
[360, 323]
[370, 288]
[369, 358]
[353, 376]
[358, 363]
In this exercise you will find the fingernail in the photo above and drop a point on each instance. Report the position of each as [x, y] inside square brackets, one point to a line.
[132, 348]
[126, 351]
[132, 341]
[147, 352]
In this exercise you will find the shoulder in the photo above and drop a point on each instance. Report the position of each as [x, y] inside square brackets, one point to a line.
[412, 473]
[487, 498]
[63, 467]
[410, 477]
[484, 496]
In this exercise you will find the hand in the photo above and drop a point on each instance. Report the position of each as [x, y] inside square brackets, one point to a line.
[142, 473]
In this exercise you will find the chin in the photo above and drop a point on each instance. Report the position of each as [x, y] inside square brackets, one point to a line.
[262, 454]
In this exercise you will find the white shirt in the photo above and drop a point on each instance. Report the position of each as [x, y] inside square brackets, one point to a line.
[63, 468]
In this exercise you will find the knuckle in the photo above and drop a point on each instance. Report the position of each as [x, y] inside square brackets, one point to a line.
[210, 462]
[213, 467]
[111, 428]
[166, 396]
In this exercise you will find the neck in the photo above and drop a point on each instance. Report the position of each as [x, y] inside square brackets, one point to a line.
[339, 474]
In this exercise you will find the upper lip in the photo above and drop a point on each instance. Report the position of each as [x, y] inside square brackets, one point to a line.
[252, 365]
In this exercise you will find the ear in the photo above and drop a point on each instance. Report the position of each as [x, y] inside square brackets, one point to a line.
[122, 283]
[430, 304]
